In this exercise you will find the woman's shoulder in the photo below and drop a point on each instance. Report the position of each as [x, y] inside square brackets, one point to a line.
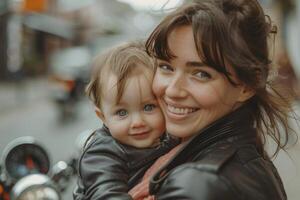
[227, 172]
[212, 161]
[198, 180]
[230, 162]
[222, 160]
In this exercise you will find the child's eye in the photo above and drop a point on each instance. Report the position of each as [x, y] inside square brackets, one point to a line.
[122, 113]
[203, 75]
[149, 107]
[165, 67]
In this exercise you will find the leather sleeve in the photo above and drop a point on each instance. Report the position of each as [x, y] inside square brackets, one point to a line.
[102, 172]
[190, 183]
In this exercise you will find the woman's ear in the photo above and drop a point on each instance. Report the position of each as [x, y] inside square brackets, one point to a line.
[246, 93]
[99, 114]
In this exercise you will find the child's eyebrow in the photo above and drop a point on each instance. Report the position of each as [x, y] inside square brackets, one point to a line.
[149, 100]
[120, 104]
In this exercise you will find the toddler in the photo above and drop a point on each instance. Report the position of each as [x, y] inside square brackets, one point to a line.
[116, 156]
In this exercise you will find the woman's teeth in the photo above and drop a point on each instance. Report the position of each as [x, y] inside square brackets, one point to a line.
[181, 111]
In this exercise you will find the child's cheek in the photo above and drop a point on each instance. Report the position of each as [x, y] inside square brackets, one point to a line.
[158, 121]
[119, 127]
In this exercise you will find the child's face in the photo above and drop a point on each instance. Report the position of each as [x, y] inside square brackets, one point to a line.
[136, 120]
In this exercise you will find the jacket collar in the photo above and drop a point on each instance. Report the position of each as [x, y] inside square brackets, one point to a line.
[237, 123]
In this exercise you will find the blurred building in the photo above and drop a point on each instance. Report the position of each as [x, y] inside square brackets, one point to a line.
[29, 32]
[32, 29]
[3, 36]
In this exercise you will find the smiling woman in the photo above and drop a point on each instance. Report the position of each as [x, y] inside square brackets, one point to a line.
[211, 84]
[191, 93]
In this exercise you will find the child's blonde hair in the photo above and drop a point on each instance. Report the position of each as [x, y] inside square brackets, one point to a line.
[120, 61]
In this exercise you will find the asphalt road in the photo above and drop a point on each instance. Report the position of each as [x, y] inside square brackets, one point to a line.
[37, 116]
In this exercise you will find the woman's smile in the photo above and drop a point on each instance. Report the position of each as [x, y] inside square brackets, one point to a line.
[178, 112]
[191, 95]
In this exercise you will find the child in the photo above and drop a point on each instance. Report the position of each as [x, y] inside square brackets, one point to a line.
[132, 137]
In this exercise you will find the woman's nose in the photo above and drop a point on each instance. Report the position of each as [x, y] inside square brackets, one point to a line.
[176, 88]
[137, 121]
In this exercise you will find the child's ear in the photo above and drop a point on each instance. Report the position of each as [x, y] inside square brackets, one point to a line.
[246, 93]
[99, 114]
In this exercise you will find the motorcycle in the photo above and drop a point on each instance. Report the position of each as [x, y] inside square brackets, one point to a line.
[26, 173]
[69, 72]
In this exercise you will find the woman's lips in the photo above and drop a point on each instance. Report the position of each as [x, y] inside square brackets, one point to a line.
[178, 112]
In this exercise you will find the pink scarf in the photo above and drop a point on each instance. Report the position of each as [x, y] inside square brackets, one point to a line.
[141, 190]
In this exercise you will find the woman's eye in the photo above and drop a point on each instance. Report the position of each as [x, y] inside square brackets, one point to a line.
[203, 75]
[149, 107]
[122, 113]
[165, 67]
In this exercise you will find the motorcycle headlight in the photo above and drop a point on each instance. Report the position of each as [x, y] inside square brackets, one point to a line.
[35, 187]
[24, 156]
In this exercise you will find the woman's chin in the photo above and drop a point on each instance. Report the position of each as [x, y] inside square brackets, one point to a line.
[179, 131]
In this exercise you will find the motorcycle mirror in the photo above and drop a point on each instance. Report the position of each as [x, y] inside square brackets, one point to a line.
[61, 173]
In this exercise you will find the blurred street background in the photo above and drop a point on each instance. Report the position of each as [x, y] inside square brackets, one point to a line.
[46, 47]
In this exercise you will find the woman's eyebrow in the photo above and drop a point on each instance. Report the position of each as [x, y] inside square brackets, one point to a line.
[195, 64]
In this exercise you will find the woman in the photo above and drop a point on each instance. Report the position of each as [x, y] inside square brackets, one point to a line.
[212, 85]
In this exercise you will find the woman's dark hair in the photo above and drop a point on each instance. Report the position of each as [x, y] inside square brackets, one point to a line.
[233, 33]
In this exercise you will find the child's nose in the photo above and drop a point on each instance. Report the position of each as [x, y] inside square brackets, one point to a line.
[137, 121]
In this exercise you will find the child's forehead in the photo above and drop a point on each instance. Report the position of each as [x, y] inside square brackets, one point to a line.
[112, 77]
[110, 80]
[137, 84]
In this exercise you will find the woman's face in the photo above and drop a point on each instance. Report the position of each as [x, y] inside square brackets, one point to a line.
[191, 94]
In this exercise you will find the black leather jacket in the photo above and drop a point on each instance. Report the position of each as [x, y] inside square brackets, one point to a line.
[108, 169]
[221, 162]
